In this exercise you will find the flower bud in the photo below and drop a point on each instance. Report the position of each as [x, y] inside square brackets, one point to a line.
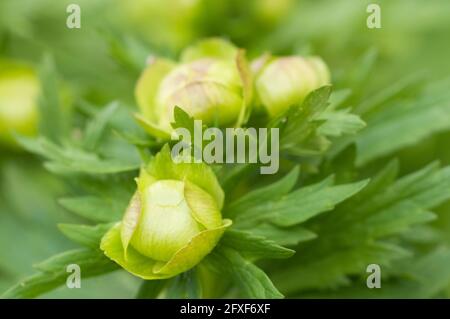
[172, 222]
[19, 89]
[207, 84]
[282, 82]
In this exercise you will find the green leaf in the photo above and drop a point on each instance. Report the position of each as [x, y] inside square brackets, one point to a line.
[330, 270]
[53, 120]
[273, 191]
[385, 209]
[298, 124]
[338, 98]
[424, 277]
[398, 218]
[402, 124]
[185, 285]
[96, 127]
[254, 283]
[94, 208]
[69, 159]
[254, 246]
[391, 92]
[150, 289]
[85, 235]
[338, 123]
[288, 236]
[182, 120]
[53, 272]
[300, 205]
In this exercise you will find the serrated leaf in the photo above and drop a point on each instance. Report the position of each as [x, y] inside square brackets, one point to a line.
[182, 120]
[54, 274]
[96, 127]
[288, 236]
[424, 277]
[254, 283]
[398, 218]
[297, 125]
[272, 191]
[69, 159]
[85, 257]
[300, 205]
[91, 167]
[253, 246]
[338, 97]
[402, 125]
[94, 208]
[331, 270]
[338, 123]
[85, 235]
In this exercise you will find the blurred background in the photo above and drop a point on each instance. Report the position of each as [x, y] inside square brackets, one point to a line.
[102, 60]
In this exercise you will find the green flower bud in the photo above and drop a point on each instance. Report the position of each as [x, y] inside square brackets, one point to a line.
[208, 84]
[19, 89]
[172, 222]
[284, 81]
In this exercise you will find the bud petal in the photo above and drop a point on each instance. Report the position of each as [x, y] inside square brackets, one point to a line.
[207, 89]
[210, 84]
[285, 81]
[166, 224]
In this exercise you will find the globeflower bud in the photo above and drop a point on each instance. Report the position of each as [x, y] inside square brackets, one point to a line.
[172, 221]
[284, 81]
[208, 84]
[19, 89]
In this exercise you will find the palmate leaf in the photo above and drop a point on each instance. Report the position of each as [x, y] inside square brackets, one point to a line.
[274, 191]
[70, 159]
[403, 124]
[298, 124]
[299, 205]
[85, 235]
[424, 277]
[306, 129]
[277, 213]
[253, 246]
[253, 282]
[53, 272]
[182, 120]
[286, 236]
[339, 123]
[330, 270]
[185, 285]
[95, 208]
[96, 127]
[359, 232]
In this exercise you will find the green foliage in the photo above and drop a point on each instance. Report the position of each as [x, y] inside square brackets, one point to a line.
[253, 282]
[53, 272]
[359, 179]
